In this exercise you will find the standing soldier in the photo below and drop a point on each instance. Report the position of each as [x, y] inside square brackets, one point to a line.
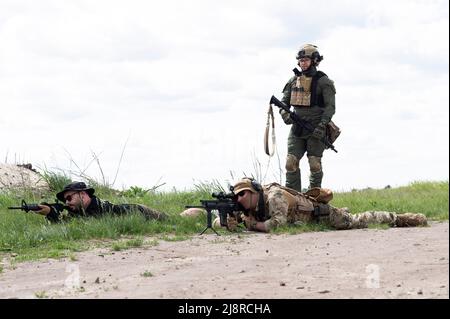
[312, 94]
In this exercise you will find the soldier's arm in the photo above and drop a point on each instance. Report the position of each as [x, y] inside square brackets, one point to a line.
[278, 210]
[52, 213]
[329, 92]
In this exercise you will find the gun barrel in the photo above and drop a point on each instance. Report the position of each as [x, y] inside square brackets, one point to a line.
[26, 207]
[331, 146]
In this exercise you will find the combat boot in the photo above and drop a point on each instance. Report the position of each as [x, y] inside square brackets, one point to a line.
[410, 220]
[340, 218]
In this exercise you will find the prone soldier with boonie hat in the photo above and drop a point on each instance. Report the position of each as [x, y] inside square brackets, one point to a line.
[81, 201]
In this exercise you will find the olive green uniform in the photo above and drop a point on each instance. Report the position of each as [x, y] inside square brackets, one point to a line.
[312, 94]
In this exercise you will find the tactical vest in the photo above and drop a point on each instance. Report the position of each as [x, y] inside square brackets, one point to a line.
[294, 198]
[306, 207]
[304, 90]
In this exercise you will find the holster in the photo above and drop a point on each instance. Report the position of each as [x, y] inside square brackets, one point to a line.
[320, 210]
[333, 132]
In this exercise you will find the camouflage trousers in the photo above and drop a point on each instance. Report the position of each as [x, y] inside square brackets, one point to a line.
[150, 213]
[341, 218]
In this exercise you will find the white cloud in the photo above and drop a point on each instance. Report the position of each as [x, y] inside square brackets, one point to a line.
[189, 84]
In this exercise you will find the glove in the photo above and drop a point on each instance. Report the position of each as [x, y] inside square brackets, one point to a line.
[319, 131]
[44, 210]
[286, 117]
[232, 223]
[249, 221]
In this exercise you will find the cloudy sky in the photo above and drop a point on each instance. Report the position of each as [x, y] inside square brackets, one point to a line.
[181, 88]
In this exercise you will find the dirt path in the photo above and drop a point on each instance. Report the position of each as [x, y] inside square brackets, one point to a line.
[368, 263]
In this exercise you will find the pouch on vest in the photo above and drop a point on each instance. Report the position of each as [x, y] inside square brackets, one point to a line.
[301, 92]
[321, 195]
[301, 200]
[300, 98]
[333, 132]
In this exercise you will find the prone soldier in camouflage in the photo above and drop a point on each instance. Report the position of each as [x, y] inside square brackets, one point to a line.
[81, 201]
[312, 94]
[273, 205]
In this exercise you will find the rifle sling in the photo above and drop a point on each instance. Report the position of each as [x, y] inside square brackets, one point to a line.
[261, 214]
[270, 118]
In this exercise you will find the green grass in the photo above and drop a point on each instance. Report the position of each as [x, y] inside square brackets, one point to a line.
[147, 274]
[28, 236]
[41, 294]
[132, 243]
[301, 228]
[429, 198]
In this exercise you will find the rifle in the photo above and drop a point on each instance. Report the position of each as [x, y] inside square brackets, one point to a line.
[225, 204]
[35, 207]
[299, 121]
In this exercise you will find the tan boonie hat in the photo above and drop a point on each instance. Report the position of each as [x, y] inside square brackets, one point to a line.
[242, 185]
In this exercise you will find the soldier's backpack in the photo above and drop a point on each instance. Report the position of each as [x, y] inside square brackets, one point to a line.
[318, 194]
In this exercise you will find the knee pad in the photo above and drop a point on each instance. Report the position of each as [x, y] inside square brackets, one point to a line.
[292, 163]
[315, 164]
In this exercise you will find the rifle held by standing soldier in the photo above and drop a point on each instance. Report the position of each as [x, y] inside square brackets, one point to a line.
[300, 122]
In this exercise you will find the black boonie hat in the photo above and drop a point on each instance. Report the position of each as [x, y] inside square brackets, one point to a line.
[75, 186]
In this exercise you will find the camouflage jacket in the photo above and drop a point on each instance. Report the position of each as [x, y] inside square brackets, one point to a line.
[99, 207]
[283, 205]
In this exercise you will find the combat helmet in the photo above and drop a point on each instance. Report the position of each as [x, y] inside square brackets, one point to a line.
[246, 183]
[310, 51]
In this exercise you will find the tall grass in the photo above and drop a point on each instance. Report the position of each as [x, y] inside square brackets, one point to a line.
[56, 181]
[28, 236]
[429, 198]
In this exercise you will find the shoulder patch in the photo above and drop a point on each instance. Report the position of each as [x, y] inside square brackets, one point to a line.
[327, 82]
